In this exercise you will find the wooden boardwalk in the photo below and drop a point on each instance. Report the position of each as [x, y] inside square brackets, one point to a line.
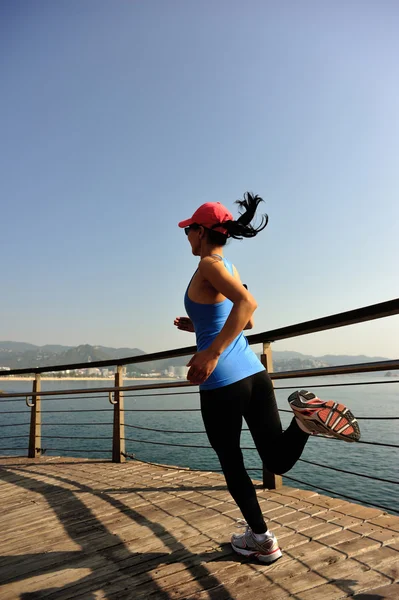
[87, 529]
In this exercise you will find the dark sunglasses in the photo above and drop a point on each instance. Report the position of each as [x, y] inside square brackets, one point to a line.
[193, 226]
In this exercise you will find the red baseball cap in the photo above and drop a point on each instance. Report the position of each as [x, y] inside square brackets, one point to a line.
[209, 215]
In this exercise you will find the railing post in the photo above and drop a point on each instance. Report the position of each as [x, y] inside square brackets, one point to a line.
[35, 433]
[118, 438]
[270, 480]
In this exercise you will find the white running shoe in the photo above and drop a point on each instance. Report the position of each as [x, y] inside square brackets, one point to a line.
[245, 544]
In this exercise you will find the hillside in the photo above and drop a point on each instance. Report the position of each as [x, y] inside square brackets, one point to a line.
[20, 355]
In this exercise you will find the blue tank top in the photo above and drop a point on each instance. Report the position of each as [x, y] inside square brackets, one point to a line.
[238, 360]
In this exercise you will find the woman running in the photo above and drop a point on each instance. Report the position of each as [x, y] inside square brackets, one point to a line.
[233, 382]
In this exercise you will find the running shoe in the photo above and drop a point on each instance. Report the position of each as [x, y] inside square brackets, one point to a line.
[326, 417]
[245, 544]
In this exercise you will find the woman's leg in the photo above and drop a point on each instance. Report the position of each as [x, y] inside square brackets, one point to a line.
[222, 411]
[278, 450]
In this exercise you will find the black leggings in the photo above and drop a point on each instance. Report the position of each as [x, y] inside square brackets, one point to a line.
[222, 411]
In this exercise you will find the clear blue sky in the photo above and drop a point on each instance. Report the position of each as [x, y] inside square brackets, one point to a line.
[119, 118]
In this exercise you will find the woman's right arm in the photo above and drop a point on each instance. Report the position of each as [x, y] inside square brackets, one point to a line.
[184, 324]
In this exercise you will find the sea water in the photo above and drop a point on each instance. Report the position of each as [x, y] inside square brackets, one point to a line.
[69, 433]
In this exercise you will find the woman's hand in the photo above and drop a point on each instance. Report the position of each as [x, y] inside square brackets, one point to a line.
[184, 324]
[202, 364]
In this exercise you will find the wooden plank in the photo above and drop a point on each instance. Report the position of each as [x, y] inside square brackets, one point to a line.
[334, 539]
[327, 502]
[345, 586]
[386, 520]
[357, 546]
[278, 516]
[385, 560]
[305, 553]
[42, 584]
[297, 493]
[375, 532]
[166, 534]
[356, 510]
[390, 592]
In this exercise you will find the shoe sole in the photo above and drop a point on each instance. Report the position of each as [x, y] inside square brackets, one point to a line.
[263, 558]
[325, 417]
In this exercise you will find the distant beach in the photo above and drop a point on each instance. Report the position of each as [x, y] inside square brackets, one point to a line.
[12, 378]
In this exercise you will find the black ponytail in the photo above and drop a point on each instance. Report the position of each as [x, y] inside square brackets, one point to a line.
[241, 228]
[250, 204]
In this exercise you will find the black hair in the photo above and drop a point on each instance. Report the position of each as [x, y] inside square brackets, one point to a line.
[241, 228]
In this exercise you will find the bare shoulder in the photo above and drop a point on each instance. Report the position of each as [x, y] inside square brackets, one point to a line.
[212, 263]
[215, 265]
[212, 259]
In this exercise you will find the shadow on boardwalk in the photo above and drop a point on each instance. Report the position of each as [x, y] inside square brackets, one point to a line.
[71, 511]
[150, 567]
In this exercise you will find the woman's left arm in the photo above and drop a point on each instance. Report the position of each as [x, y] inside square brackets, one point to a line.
[251, 322]
[244, 304]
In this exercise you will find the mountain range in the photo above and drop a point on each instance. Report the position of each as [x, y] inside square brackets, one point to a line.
[21, 355]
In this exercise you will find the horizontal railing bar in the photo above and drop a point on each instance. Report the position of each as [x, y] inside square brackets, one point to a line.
[372, 367]
[377, 418]
[168, 430]
[310, 462]
[358, 418]
[351, 317]
[73, 424]
[173, 467]
[164, 431]
[276, 387]
[382, 444]
[384, 365]
[14, 424]
[75, 437]
[48, 399]
[11, 400]
[178, 410]
[259, 469]
[47, 412]
[285, 387]
[180, 445]
[318, 487]
[171, 444]
[106, 390]
[160, 410]
[348, 384]
[75, 410]
[168, 444]
[273, 375]
[186, 393]
[74, 450]
[244, 428]
[330, 439]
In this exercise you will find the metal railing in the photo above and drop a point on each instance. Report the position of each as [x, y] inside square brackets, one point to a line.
[118, 392]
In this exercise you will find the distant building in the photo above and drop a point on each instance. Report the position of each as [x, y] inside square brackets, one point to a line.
[180, 372]
[94, 371]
